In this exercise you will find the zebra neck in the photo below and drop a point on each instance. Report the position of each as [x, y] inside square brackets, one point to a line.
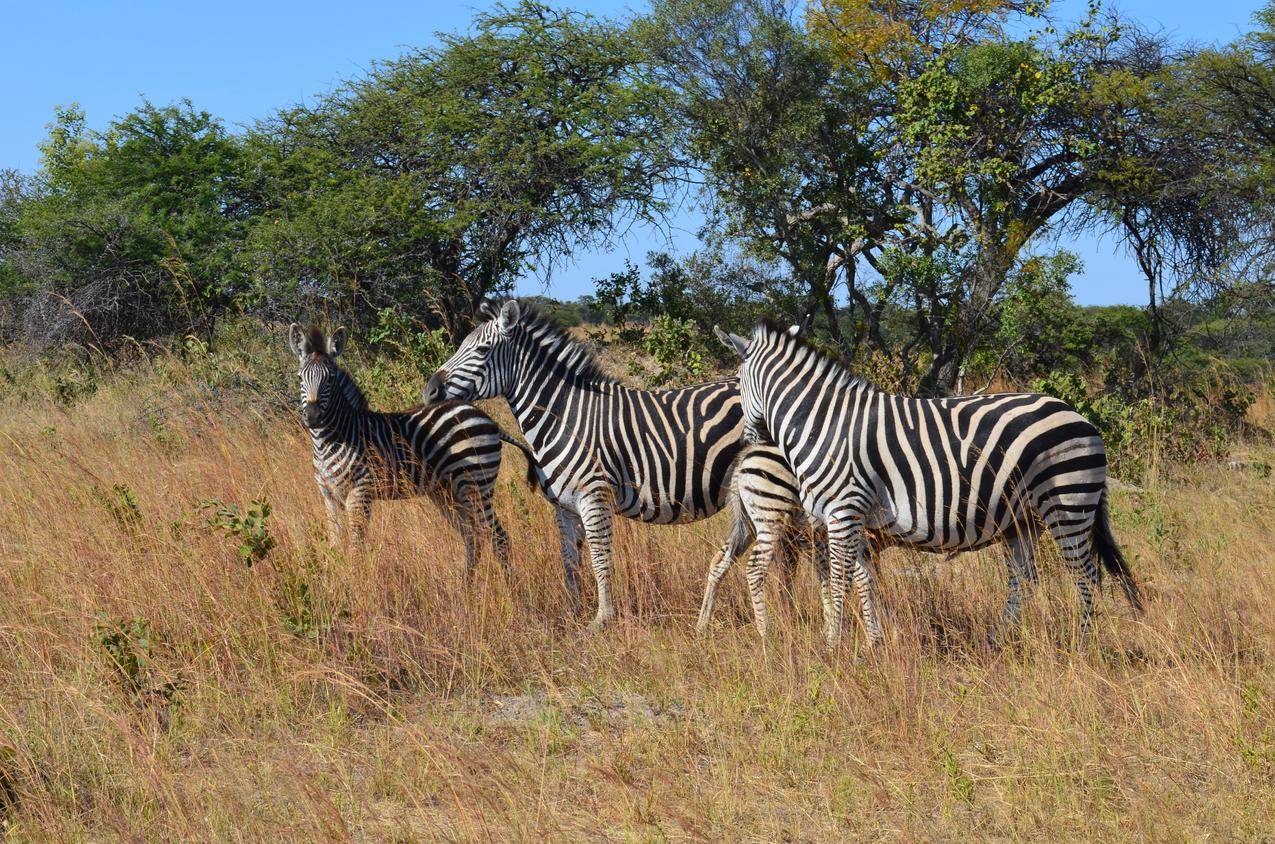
[549, 368]
[342, 428]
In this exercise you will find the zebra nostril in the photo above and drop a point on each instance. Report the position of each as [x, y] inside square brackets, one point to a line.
[434, 388]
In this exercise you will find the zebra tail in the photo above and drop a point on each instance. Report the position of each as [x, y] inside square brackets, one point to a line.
[526, 452]
[1104, 544]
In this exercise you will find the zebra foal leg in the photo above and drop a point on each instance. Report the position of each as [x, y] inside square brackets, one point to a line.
[336, 515]
[741, 535]
[358, 510]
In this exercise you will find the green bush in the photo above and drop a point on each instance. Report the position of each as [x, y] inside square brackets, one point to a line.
[250, 528]
[1190, 423]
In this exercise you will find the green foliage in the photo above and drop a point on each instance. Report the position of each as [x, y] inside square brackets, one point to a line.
[121, 503]
[1040, 328]
[443, 175]
[678, 350]
[1188, 424]
[428, 348]
[249, 528]
[129, 648]
[129, 231]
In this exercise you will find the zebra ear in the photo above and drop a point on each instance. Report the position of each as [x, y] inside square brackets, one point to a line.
[509, 315]
[296, 340]
[487, 310]
[336, 342]
[794, 330]
[734, 342]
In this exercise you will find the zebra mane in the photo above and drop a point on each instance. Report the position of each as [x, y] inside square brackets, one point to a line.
[315, 342]
[827, 361]
[574, 356]
[350, 390]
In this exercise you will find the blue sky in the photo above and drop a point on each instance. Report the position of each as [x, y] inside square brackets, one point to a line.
[242, 60]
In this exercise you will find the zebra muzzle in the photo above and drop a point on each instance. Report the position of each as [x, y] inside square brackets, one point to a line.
[435, 388]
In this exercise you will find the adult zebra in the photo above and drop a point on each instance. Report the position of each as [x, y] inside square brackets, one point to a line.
[602, 448]
[942, 474]
[449, 452]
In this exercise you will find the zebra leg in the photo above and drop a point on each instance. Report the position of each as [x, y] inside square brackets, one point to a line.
[481, 515]
[820, 540]
[336, 515]
[847, 550]
[1074, 541]
[500, 544]
[1022, 575]
[741, 536]
[786, 550]
[865, 584]
[358, 509]
[571, 532]
[840, 542]
[598, 518]
[758, 564]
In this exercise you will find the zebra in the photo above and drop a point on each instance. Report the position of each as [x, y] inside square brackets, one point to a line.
[949, 474]
[602, 448]
[449, 452]
[765, 499]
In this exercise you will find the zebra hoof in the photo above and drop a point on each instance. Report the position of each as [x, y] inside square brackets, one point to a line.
[599, 623]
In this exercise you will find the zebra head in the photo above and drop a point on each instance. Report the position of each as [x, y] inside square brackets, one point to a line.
[318, 369]
[482, 366]
[753, 375]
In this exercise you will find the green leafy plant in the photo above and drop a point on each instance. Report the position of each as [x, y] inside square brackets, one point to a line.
[424, 347]
[677, 348]
[129, 647]
[121, 502]
[249, 527]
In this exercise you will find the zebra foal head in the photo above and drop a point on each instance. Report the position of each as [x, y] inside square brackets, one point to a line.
[317, 370]
[482, 366]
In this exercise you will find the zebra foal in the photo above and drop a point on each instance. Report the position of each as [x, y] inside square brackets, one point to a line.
[765, 500]
[448, 452]
[949, 474]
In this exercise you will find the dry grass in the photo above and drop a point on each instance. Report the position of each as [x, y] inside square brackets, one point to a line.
[314, 696]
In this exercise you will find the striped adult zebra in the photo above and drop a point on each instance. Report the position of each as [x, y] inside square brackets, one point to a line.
[660, 456]
[449, 452]
[941, 474]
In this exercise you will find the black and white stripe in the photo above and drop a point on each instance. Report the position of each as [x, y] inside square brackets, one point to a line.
[765, 498]
[602, 448]
[449, 452]
[939, 474]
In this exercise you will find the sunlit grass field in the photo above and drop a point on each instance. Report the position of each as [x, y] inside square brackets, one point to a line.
[159, 682]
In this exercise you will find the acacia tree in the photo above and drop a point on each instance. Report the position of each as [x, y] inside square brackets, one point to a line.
[127, 231]
[445, 174]
[910, 152]
[787, 147]
[1192, 197]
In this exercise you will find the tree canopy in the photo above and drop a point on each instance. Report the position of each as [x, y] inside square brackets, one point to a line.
[897, 175]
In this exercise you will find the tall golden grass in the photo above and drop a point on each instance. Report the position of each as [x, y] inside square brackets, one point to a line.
[155, 687]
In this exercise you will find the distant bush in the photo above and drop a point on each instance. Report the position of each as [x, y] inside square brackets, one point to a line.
[1191, 423]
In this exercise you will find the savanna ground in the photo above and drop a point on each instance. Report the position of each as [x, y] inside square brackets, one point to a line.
[155, 686]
